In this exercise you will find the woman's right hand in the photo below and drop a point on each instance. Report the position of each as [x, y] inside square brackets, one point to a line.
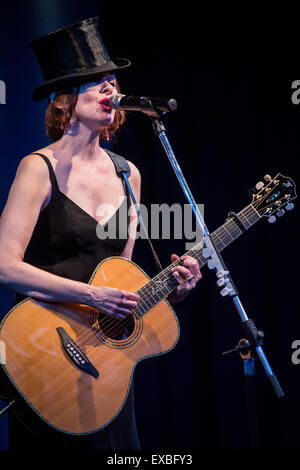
[116, 302]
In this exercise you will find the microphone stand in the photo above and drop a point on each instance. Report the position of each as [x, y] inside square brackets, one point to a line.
[244, 350]
[216, 262]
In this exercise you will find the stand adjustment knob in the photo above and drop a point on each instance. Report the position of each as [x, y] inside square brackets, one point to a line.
[225, 291]
[212, 264]
[206, 252]
[221, 273]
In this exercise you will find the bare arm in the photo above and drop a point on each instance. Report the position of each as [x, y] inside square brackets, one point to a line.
[29, 191]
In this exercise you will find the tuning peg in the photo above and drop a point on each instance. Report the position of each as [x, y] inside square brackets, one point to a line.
[272, 219]
[267, 178]
[289, 206]
[280, 212]
[259, 185]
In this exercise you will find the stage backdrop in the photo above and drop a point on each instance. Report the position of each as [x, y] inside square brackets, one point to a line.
[231, 71]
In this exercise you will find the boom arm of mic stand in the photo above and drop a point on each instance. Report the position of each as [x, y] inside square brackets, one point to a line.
[160, 131]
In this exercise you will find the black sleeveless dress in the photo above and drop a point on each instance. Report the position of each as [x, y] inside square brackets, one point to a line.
[65, 243]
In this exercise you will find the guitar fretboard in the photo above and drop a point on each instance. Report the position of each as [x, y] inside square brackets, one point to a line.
[164, 283]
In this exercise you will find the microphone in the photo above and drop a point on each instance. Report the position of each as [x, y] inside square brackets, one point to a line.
[141, 103]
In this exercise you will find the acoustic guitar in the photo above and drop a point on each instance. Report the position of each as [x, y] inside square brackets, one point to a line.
[74, 365]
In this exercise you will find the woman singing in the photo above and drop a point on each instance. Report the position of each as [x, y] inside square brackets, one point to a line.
[49, 246]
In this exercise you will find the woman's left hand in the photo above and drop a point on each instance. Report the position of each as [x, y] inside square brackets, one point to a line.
[187, 275]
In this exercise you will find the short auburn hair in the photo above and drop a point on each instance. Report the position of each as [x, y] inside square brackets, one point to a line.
[59, 112]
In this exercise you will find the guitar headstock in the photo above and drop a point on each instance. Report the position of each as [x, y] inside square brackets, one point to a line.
[273, 197]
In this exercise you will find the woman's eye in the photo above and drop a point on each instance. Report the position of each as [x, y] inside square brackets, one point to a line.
[113, 84]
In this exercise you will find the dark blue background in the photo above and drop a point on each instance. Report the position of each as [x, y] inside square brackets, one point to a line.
[231, 70]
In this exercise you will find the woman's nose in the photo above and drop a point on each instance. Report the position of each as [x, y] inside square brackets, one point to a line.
[107, 88]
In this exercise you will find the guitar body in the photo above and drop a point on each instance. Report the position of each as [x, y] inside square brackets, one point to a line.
[67, 397]
[74, 365]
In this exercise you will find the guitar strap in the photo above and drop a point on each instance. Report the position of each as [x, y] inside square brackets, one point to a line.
[123, 171]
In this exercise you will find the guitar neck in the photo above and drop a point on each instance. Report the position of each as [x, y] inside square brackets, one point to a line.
[164, 283]
[227, 233]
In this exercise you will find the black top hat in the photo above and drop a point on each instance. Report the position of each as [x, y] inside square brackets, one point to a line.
[72, 55]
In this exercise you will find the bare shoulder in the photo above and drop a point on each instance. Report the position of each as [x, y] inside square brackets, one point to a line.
[31, 179]
[135, 173]
[36, 162]
[33, 166]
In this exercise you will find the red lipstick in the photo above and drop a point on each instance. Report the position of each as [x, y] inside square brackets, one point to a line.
[104, 102]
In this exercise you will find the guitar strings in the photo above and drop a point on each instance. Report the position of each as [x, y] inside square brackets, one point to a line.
[99, 341]
[116, 326]
[113, 322]
[146, 299]
[244, 213]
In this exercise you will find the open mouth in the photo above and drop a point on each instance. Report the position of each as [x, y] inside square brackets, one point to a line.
[105, 104]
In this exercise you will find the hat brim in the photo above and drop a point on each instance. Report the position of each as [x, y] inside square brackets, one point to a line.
[71, 80]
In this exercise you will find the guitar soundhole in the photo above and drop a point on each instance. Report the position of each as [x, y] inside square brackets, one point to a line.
[114, 328]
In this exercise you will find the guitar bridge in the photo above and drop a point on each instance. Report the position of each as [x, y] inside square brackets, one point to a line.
[76, 354]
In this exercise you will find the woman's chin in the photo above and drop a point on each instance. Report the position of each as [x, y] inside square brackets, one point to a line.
[105, 119]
